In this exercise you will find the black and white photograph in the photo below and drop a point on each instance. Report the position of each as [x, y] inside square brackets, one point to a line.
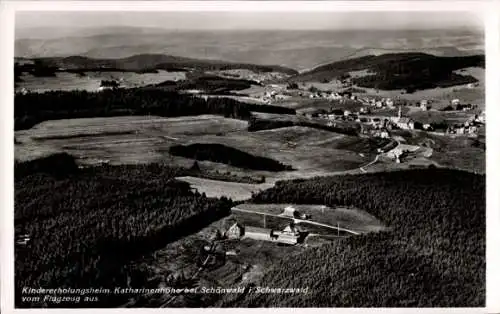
[249, 159]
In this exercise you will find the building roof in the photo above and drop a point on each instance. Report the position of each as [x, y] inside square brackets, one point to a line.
[404, 120]
[252, 229]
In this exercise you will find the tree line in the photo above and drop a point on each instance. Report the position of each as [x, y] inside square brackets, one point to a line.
[33, 108]
[227, 155]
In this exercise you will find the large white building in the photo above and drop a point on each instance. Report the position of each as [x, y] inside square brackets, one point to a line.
[403, 122]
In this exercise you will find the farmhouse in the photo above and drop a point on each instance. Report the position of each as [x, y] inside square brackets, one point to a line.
[112, 84]
[424, 106]
[396, 154]
[389, 103]
[287, 236]
[427, 127]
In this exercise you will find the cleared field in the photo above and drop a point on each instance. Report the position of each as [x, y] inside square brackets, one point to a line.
[92, 80]
[302, 157]
[348, 218]
[119, 139]
[297, 135]
[233, 190]
[448, 117]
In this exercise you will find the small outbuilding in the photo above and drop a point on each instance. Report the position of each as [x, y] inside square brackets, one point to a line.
[236, 231]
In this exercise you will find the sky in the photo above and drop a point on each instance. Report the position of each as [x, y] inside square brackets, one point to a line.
[251, 20]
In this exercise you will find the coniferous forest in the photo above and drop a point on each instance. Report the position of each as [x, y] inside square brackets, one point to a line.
[432, 256]
[227, 155]
[86, 225]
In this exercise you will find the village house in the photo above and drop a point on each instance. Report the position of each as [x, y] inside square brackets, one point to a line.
[364, 110]
[482, 117]
[396, 154]
[389, 103]
[455, 102]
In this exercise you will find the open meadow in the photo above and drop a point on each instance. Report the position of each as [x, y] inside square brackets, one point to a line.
[90, 81]
[146, 139]
[353, 219]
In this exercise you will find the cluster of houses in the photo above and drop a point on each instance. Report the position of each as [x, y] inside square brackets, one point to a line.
[250, 75]
[378, 122]
[470, 127]
[329, 95]
[457, 105]
[110, 84]
[378, 103]
[274, 95]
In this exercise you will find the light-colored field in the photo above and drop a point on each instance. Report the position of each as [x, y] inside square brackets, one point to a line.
[146, 139]
[233, 190]
[298, 135]
[136, 139]
[349, 218]
[304, 158]
[92, 80]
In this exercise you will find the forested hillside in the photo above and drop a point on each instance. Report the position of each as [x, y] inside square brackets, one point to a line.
[33, 108]
[207, 84]
[148, 62]
[86, 225]
[410, 71]
[433, 257]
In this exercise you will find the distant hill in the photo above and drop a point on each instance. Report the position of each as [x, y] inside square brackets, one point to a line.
[293, 49]
[147, 62]
[411, 71]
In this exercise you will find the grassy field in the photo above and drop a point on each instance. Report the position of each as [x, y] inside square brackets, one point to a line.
[135, 139]
[92, 80]
[448, 117]
[233, 190]
[350, 218]
[143, 139]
